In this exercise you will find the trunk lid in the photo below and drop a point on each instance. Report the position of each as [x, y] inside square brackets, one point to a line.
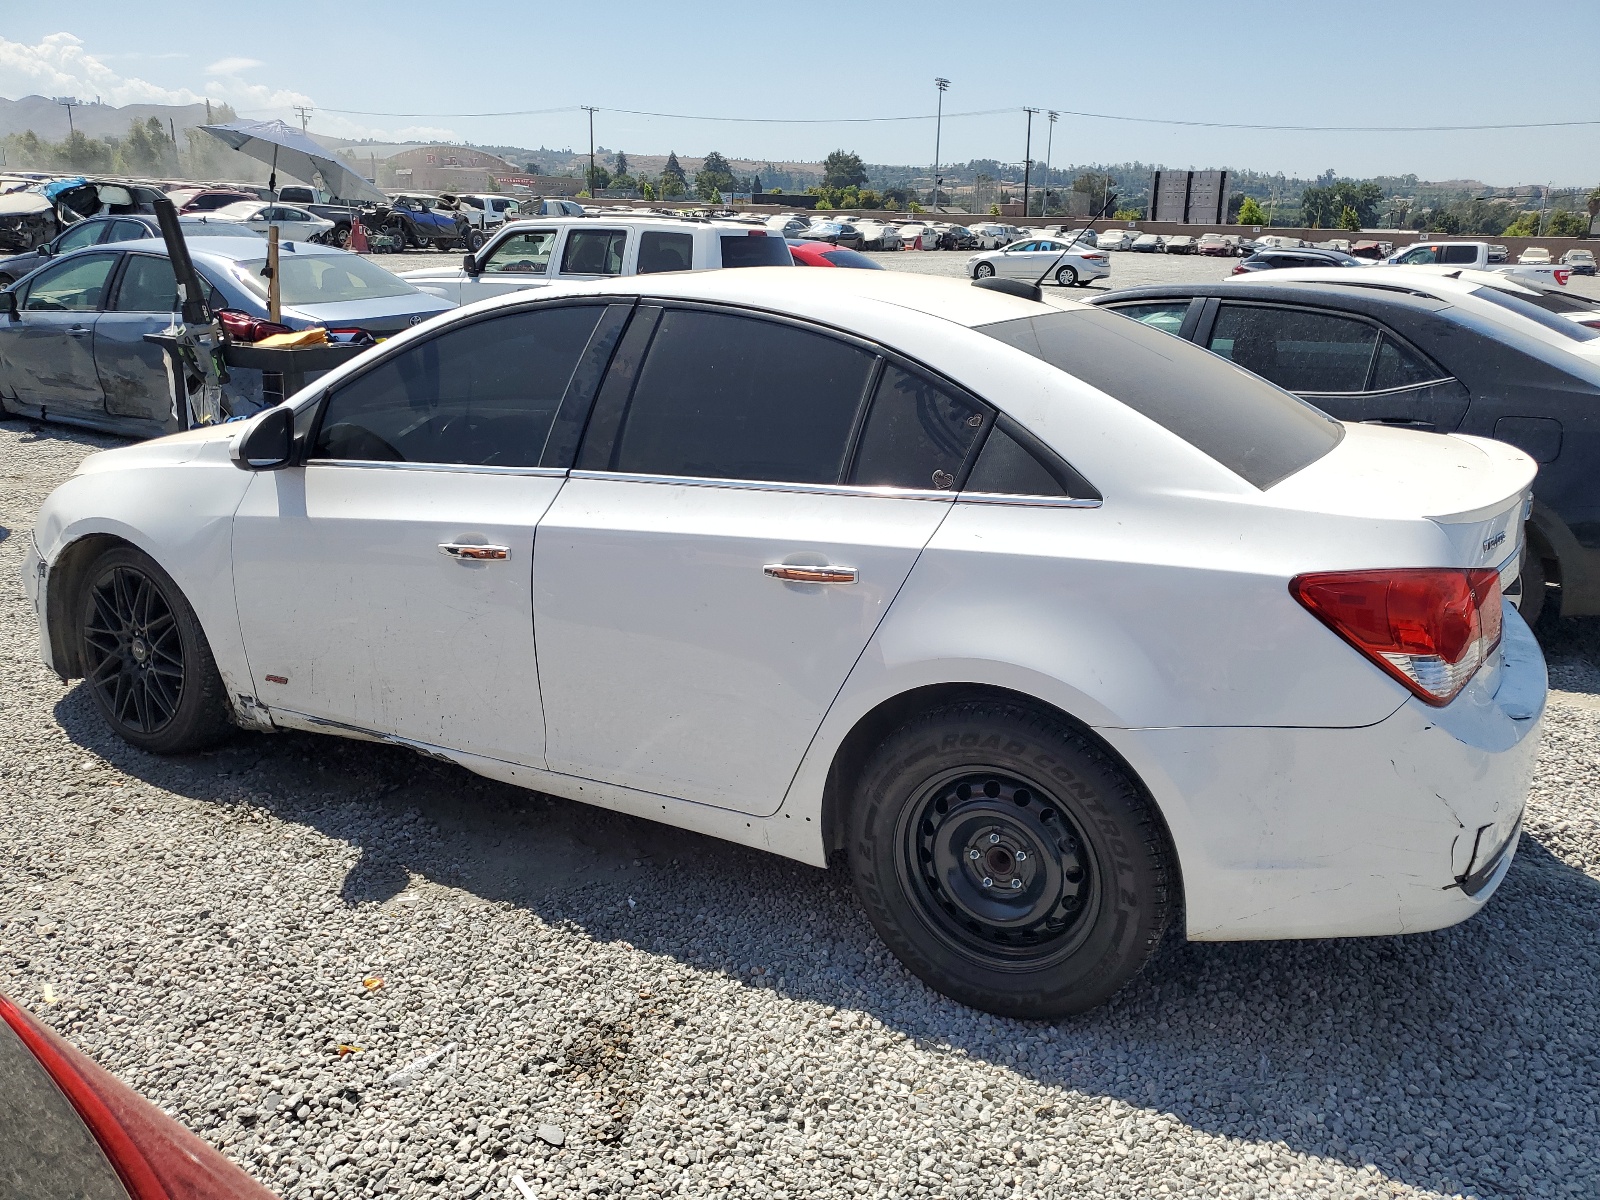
[1475, 490]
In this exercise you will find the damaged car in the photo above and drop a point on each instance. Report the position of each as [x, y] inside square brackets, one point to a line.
[32, 215]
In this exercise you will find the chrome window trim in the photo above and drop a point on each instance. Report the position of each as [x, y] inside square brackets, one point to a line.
[761, 485]
[1026, 501]
[455, 468]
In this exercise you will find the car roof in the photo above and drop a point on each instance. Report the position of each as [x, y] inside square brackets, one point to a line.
[1331, 287]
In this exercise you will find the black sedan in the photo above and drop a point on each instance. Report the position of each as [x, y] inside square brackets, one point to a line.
[1431, 353]
[97, 231]
[1308, 256]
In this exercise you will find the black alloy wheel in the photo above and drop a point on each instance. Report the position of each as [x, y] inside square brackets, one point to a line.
[133, 657]
[144, 657]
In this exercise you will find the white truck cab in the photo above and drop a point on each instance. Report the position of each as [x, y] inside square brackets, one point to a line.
[525, 254]
[1475, 256]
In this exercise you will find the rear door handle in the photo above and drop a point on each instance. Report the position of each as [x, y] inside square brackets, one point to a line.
[79, 331]
[805, 574]
[462, 552]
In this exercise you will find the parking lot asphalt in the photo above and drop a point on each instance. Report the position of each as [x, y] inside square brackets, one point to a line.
[365, 973]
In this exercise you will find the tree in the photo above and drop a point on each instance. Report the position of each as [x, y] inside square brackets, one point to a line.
[843, 169]
[1250, 212]
[871, 199]
[1567, 224]
[714, 177]
[896, 198]
[676, 172]
[645, 190]
[672, 185]
[1445, 222]
[994, 210]
[598, 177]
[1526, 225]
[619, 164]
[1348, 220]
[84, 154]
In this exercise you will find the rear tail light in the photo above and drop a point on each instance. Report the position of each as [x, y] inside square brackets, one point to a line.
[1592, 323]
[1563, 274]
[1238, 268]
[156, 1158]
[242, 327]
[1430, 628]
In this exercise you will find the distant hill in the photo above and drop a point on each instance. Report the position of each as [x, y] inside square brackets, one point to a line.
[49, 119]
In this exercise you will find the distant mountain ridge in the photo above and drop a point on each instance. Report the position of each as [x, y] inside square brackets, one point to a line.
[49, 119]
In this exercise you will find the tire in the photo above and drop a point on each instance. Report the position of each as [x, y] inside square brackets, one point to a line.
[983, 271]
[1535, 593]
[475, 240]
[1067, 277]
[145, 659]
[340, 236]
[399, 233]
[989, 790]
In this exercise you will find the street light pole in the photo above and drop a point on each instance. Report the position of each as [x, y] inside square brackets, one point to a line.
[69, 103]
[1049, 143]
[938, 129]
[589, 108]
[1027, 160]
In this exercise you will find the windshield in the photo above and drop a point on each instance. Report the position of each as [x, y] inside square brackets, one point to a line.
[324, 279]
[1256, 430]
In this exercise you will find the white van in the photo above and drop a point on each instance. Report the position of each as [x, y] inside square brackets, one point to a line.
[526, 254]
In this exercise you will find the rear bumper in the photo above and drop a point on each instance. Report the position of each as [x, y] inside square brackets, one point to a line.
[1403, 826]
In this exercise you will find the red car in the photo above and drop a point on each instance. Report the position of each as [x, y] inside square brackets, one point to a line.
[825, 254]
[70, 1128]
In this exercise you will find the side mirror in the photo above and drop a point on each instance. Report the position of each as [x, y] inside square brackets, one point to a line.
[469, 264]
[268, 444]
[8, 303]
[45, 251]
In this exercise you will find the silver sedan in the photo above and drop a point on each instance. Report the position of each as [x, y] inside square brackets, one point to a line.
[1043, 258]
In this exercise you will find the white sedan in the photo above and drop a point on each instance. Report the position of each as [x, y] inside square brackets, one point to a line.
[294, 224]
[1061, 628]
[1051, 258]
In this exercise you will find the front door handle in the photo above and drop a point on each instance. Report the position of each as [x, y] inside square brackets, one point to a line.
[462, 552]
[795, 573]
[79, 331]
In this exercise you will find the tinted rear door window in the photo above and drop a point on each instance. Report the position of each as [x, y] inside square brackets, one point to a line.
[1298, 350]
[483, 394]
[660, 250]
[1260, 432]
[594, 252]
[1166, 315]
[1399, 366]
[917, 434]
[730, 397]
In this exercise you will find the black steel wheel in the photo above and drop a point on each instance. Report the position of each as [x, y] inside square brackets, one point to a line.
[1008, 861]
[1000, 867]
[144, 658]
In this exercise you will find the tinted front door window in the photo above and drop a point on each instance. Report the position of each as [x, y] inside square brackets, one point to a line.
[1299, 351]
[727, 397]
[522, 254]
[76, 286]
[79, 236]
[483, 394]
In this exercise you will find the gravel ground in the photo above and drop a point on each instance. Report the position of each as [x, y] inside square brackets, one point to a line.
[364, 974]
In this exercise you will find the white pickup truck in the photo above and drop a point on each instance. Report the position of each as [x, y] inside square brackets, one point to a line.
[531, 254]
[1475, 256]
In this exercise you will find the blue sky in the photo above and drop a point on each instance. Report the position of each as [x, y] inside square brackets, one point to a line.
[1358, 63]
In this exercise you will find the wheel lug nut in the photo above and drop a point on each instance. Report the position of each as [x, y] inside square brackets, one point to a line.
[987, 882]
[1015, 884]
[993, 837]
[974, 855]
[1022, 856]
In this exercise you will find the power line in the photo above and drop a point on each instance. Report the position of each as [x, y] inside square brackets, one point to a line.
[986, 112]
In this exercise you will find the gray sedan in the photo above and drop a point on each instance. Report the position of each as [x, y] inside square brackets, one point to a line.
[72, 342]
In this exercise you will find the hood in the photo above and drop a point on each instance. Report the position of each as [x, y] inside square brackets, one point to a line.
[171, 450]
[388, 314]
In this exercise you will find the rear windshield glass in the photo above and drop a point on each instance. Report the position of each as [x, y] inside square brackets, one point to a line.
[325, 279]
[743, 250]
[1561, 325]
[1556, 302]
[849, 258]
[1258, 431]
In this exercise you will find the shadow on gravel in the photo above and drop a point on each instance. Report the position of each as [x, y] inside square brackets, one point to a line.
[1572, 650]
[1464, 1061]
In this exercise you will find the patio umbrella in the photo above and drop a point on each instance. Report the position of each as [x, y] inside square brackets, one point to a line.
[282, 145]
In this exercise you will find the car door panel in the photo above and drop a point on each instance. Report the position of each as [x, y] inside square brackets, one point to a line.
[387, 584]
[47, 349]
[132, 371]
[672, 661]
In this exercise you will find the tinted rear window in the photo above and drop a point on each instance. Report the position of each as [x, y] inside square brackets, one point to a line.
[742, 250]
[849, 258]
[1561, 325]
[1259, 432]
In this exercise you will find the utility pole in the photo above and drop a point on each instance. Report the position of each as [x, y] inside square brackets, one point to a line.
[590, 109]
[1049, 143]
[1544, 195]
[69, 103]
[1027, 160]
[938, 129]
[305, 115]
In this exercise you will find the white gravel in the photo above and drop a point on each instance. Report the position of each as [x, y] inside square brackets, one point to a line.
[597, 1006]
